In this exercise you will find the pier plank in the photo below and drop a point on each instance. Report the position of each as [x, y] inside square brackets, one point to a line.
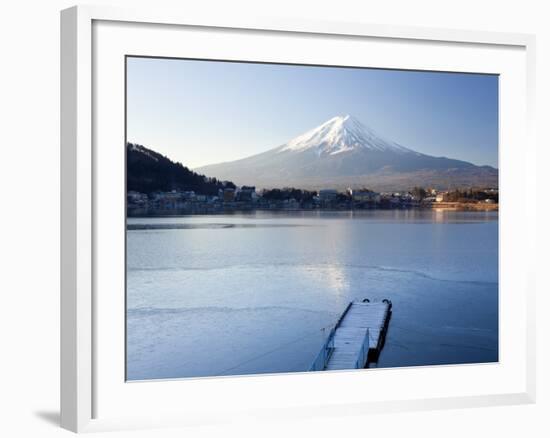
[359, 331]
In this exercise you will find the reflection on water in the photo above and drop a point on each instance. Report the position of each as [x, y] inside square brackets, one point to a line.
[255, 292]
[183, 226]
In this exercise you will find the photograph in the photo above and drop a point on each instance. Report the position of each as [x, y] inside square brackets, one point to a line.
[275, 219]
[294, 218]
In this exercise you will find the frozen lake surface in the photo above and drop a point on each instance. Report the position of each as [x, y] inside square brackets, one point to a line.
[254, 293]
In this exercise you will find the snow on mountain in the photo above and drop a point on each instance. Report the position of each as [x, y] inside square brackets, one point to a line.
[342, 134]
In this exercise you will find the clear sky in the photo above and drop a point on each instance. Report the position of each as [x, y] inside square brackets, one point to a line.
[205, 112]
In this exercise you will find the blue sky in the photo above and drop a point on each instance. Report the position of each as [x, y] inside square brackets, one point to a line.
[204, 112]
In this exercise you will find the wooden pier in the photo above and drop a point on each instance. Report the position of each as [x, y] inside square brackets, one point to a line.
[357, 338]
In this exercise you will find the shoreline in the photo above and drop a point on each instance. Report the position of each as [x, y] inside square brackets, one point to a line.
[440, 206]
[464, 206]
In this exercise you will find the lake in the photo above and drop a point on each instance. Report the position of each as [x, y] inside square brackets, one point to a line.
[258, 292]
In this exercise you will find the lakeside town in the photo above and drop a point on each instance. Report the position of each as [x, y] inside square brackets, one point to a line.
[246, 198]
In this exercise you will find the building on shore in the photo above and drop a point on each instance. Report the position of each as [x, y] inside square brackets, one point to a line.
[246, 194]
[365, 196]
[327, 195]
[227, 194]
[137, 199]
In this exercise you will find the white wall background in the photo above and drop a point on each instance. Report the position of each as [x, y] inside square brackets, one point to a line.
[29, 214]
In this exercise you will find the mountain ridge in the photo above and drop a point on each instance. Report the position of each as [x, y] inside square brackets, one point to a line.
[343, 152]
[148, 171]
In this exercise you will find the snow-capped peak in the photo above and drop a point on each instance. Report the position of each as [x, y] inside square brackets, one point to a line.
[342, 134]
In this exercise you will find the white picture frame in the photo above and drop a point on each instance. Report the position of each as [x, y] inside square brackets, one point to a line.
[86, 377]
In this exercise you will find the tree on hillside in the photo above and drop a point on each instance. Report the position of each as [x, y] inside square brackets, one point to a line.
[148, 171]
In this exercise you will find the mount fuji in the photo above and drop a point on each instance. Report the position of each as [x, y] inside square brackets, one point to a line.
[343, 152]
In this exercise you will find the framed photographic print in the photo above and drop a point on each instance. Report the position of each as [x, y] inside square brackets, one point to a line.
[282, 218]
